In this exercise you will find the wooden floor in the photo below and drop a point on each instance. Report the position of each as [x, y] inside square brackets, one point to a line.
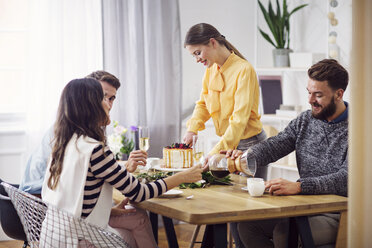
[183, 231]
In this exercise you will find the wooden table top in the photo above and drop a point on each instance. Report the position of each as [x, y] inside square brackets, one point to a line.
[221, 204]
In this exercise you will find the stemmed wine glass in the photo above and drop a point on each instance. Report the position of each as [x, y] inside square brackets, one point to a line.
[144, 138]
[144, 141]
[198, 148]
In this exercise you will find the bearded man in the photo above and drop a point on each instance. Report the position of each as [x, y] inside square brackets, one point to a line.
[320, 138]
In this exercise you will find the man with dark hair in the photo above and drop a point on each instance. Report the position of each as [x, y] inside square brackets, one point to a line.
[110, 84]
[104, 76]
[320, 138]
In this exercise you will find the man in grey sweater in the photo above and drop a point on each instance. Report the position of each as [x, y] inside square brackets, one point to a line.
[320, 138]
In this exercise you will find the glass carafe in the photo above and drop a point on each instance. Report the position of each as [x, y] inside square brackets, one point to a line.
[220, 166]
[246, 164]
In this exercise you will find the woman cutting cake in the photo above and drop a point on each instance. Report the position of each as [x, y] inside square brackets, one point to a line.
[230, 92]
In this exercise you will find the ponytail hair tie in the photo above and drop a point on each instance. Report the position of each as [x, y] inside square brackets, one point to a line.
[222, 36]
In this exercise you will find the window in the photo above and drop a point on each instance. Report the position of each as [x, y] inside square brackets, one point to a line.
[13, 55]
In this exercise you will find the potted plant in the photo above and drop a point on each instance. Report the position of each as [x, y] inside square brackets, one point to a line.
[278, 23]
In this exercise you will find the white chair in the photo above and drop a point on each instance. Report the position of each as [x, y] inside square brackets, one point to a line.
[59, 229]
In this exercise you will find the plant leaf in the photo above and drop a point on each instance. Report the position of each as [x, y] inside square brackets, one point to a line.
[285, 24]
[274, 21]
[278, 14]
[278, 23]
[296, 9]
[268, 20]
[267, 37]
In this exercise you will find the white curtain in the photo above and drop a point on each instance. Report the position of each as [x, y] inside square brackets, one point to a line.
[65, 42]
[142, 46]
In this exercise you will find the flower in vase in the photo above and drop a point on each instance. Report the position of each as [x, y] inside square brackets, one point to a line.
[118, 141]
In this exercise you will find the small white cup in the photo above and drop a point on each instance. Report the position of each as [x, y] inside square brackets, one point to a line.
[256, 186]
[152, 162]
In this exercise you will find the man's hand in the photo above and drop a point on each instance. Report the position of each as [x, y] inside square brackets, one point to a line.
[137, 157]
[187, 139]
[283, 187]
[120, 208]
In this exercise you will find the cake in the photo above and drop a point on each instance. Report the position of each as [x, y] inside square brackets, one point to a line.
[177, 156]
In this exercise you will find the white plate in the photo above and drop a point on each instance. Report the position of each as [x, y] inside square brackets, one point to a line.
[172, 193]
[159, 168]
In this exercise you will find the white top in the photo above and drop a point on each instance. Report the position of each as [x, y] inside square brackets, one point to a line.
[69, 192]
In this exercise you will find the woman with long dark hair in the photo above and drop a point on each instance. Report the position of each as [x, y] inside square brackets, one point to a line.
[83, 170]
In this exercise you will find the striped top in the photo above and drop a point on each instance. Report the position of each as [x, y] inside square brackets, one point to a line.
[104, 168]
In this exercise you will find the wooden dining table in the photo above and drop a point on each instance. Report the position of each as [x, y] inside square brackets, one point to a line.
[217, 205]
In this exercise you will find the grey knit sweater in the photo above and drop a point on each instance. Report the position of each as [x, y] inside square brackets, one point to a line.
[321, 153]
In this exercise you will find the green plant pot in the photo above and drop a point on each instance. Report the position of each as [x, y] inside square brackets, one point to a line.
[281, 57]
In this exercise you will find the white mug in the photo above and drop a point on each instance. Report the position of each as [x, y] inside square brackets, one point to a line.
[256, 186]
[152, 162]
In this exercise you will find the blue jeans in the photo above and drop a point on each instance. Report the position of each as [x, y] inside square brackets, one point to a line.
[261, 172]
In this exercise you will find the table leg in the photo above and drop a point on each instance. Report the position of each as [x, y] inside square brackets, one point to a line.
[342, 231]
[171, 234]
[194, 236]
[208, 241]
[220, 235]
[215, 236]
[154, 225]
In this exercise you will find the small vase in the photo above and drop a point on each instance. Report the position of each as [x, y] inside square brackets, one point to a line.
[281, 57]
[124, 157]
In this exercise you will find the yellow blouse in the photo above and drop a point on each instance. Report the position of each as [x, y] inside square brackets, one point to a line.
[230, 95]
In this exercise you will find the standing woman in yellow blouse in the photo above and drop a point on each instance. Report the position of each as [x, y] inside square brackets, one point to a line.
[230, 93]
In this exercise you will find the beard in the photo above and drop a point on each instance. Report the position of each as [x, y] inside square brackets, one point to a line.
[326, 112]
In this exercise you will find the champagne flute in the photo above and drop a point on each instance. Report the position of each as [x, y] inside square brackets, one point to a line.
[144, 141]
[197, 148]
[144, 138]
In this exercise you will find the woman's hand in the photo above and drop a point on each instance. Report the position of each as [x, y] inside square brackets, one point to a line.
[187, 139]
[137, 157]
[120, 208]
[205, 165]
[191, 175]
[233, 154]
